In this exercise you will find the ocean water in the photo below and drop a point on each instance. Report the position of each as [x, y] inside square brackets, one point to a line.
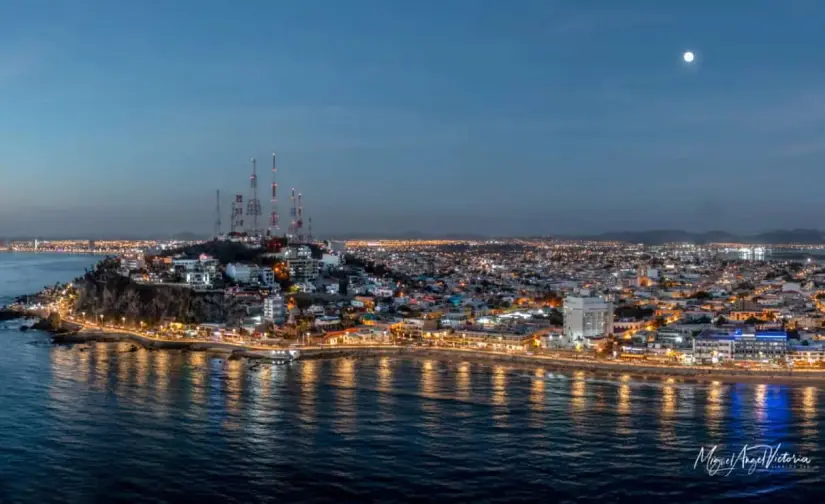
[101, 423]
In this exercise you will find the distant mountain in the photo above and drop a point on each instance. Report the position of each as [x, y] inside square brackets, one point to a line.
[798, 236]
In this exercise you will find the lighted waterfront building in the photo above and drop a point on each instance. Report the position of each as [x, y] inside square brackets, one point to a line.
[740, 344]
[587, 318]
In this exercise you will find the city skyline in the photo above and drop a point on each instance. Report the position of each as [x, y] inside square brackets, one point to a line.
[448, 117]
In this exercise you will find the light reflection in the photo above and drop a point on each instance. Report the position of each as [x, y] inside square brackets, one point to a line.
[713, 409]
[81, 365]
[429, 403]
[578, 402]
[232, 391]
[809, 403]
[198, 373]
[577, 389]
[624, 396]
[759, 401]
[345, 397]
[499, 397]
[499, 385]
[810, 424]
[667, 432]
[624, 407]
[462, 381]
[309, 382]
[162, 369]
[142, 368]
[384, 375]
[537, 398]
[102, 364]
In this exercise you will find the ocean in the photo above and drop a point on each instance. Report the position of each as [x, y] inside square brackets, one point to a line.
[103, 423]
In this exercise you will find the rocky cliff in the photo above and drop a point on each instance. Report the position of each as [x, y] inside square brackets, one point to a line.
[114, 296]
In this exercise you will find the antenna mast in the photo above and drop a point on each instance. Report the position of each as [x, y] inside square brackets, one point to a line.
[253, 206]
[274, 219]
[218, 214]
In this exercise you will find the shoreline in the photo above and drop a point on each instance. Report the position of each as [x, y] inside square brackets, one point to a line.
[524, 361]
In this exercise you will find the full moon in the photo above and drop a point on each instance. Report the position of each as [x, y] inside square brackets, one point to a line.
[688, 57]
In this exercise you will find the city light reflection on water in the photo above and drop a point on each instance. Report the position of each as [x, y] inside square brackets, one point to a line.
[396, 416]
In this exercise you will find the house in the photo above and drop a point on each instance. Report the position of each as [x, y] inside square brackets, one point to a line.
[198, 278]
[242, 273]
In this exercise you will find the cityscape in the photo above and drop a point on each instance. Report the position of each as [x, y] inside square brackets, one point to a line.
[677, 305]
[392, 251]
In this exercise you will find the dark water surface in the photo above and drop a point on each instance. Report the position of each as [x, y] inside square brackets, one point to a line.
[98, 423]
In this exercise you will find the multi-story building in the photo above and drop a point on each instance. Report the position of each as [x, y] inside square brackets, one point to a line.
[242, 273]
[587, 318]
[454, 319]
[302, 267]
[740, 344]
[198, 279]
[274, 308]
[808, 353]
[266, 277]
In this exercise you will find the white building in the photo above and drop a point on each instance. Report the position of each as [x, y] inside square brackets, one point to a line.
[200, 263]
[198, 278]
[302, 267]
[241, 273]
[274, 308]
[587, 317]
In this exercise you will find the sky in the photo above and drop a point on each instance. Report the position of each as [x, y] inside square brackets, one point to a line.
[438, 116]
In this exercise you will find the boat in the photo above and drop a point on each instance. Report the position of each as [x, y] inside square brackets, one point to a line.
[284, 356]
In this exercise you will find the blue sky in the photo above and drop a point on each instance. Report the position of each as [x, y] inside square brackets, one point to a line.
[478, 116]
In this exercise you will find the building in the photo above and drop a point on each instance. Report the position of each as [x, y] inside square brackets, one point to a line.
[740, 344]
[266, 277]
[242, 273]
[302, 267]
[198, 278]
[587, 318]
[274, 309]
[810, 353]
[454, 320]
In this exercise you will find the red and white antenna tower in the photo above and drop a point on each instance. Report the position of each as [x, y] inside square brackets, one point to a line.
[237, 215]
[253, 206]
[274, 218]
[299, 225]
[293, 212]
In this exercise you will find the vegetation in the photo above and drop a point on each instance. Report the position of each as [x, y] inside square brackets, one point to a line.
[633, 312]
[701, 295]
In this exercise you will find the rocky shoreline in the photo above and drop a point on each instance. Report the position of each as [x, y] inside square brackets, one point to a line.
[522, 361]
